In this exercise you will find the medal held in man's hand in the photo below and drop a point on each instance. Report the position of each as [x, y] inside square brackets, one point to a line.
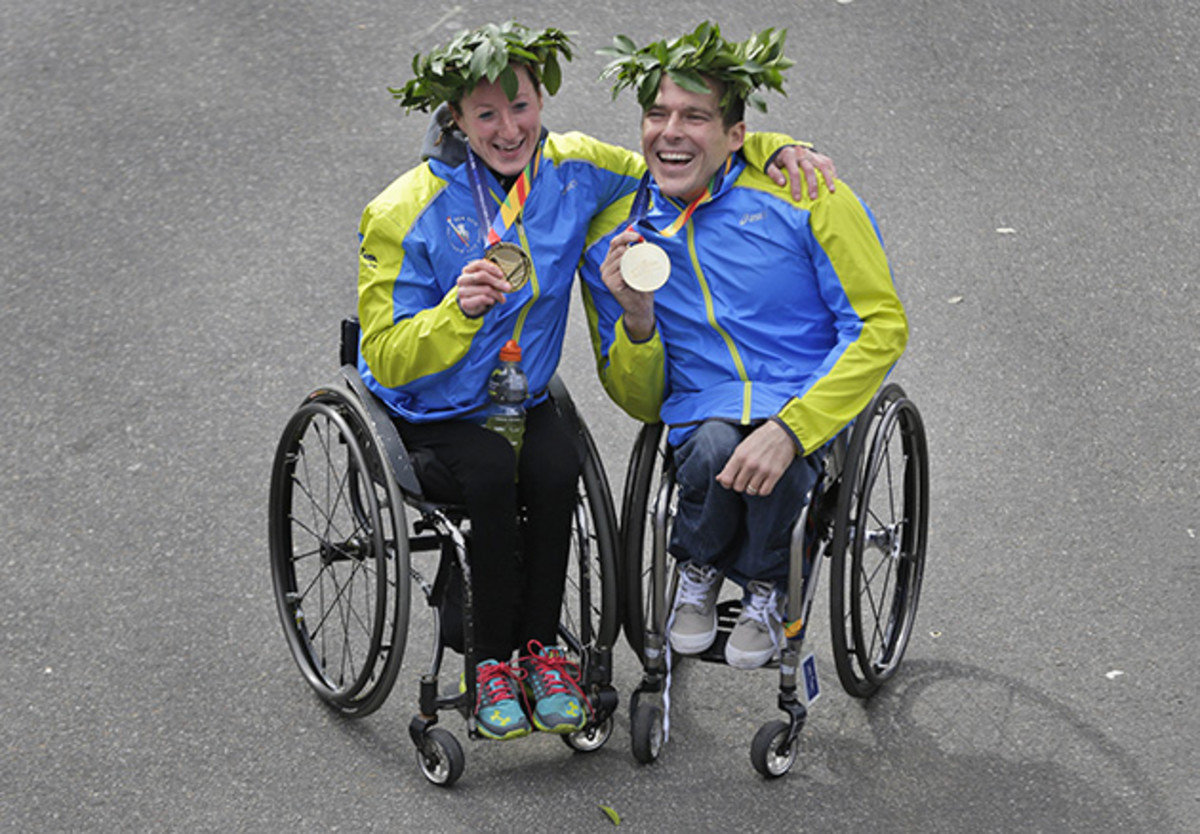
[645, 267]
[513, 261]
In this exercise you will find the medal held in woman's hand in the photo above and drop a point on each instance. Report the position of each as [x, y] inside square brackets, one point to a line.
[513, 261]
[645, 267]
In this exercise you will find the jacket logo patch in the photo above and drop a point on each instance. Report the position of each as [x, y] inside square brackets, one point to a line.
[462, 231]
[751, 218]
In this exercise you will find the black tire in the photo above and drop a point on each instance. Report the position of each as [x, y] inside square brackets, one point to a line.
[769, 753]
[590, 739]
[591, 615]
[339, 553]
[441, 757]
[646, 732]
[878, 551]
[648, 467]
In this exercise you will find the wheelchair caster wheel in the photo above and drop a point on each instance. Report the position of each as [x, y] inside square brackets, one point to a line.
[590, 738]
[440, 757]
[646, 730]
[770, 752]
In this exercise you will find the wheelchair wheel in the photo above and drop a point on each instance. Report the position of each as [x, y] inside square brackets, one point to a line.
[878, 551]
[591, 738]
[646, 731]
[339, 553]
[441, 757]
[591, 616]
[648, 472]
[770, 753]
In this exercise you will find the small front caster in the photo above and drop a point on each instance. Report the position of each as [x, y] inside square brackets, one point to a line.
[440, 757]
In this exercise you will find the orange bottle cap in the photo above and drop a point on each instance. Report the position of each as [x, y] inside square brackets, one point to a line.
[511, 352]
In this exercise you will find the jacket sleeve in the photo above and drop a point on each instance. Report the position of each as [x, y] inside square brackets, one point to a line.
[760, 148]
[855, 281]
[411, 326]
[632, 373]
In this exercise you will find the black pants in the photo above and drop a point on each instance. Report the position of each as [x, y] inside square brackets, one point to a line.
[520, 530]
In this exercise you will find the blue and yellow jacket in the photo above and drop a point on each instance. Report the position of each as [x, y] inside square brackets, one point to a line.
[419, 352]
[774, 310]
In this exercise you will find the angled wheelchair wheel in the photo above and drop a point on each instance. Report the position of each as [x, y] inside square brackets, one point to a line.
[339, 553]
[590, 618]
[878, 551]
[649, 492]
[591, 613]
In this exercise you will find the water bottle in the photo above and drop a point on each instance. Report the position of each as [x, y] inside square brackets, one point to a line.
[507, 389]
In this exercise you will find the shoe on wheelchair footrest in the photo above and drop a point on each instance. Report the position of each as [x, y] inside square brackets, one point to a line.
[727, 613]
[551, 680]
[693, 625]
[498, 712]
[758, 633]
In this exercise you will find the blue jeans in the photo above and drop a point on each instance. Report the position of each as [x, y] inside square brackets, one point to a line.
[746, 537]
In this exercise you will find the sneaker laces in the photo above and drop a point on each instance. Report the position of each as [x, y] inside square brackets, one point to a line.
[494, 683]
[695, 584]
[763, 607]
[553, 673]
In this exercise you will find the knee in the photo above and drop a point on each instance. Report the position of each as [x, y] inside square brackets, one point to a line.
[492, 472]
[705, 453]
[550, 460]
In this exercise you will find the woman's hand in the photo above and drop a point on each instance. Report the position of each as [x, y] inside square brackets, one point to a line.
[801, 165]
[481, 286]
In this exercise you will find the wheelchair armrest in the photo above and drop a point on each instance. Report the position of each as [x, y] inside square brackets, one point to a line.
[348, 349]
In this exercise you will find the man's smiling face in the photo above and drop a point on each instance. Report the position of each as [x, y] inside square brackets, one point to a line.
[685, 140]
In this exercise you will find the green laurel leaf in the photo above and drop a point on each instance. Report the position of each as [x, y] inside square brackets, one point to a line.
[742, 68]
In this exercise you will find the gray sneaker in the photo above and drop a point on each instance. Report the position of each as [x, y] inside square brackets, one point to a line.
[693, 624]
[758, 633]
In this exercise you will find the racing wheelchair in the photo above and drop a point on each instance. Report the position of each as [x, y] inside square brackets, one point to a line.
[356, 546]
[867, 515]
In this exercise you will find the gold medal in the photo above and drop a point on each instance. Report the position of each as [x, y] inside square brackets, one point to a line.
[645, 267]
[513, 261]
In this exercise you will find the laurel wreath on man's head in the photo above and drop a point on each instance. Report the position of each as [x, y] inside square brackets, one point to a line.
[742, 67]
[450, 72]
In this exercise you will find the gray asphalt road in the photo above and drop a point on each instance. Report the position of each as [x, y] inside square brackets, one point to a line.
[181, 190]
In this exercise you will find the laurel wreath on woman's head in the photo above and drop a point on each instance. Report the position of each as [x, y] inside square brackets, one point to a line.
[741, 68]
[448, 73]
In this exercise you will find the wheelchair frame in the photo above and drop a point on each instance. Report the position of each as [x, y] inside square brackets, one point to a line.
[342, 541]
[877, 555]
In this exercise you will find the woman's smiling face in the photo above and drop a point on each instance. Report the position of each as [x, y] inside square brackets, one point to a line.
[503, 133]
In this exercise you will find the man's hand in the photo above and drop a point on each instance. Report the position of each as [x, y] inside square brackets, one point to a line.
[638, 306]
[759, 461]
[801, 165]
[481, 286]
